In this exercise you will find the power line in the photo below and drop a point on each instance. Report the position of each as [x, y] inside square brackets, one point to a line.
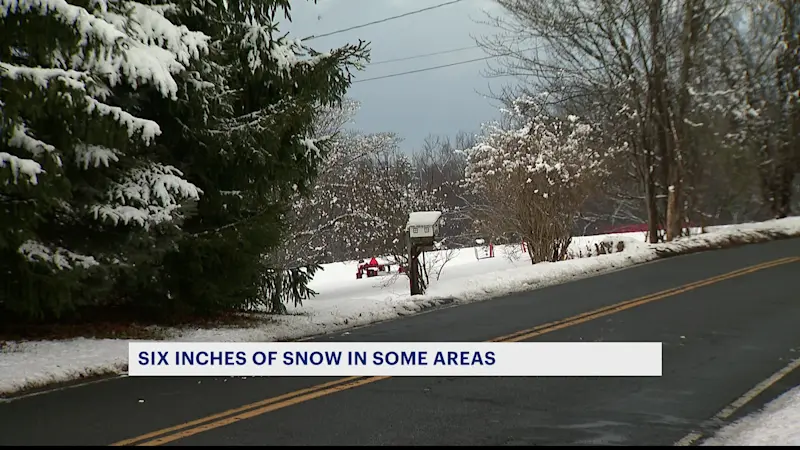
[382, 20]
[426, 69]
[443, 52]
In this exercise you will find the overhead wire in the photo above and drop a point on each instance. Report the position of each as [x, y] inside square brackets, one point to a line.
[424, 55]
[387, 19]
[442, 66]
[409, 72]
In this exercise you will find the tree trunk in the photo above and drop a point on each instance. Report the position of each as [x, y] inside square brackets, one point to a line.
[789, 73]
[276, 305]
[660, 121]
[781, 194]
[652, 210]
[674, 211]
[675, 201]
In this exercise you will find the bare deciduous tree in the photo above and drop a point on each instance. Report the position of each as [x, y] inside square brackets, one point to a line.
[439, 166]
[644, 69]
[324, 225]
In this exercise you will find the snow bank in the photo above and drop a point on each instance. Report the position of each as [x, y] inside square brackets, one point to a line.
[345, 302]
[777, 424]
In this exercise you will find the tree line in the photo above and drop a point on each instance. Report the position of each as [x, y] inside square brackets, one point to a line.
[170, 159]
[685, 112]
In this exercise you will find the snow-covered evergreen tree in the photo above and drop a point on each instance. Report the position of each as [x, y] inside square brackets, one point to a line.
[82, 181]
[246, 138]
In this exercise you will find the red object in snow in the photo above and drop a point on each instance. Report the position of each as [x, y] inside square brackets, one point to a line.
[371, 268]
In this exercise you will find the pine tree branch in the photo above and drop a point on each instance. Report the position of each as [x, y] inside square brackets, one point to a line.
[239, 222]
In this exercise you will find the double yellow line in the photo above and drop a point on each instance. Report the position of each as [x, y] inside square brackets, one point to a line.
[187, 429]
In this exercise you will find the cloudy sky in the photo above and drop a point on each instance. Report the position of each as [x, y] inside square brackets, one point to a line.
[442, 101]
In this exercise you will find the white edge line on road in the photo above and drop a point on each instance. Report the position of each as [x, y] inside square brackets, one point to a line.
[689, 439]
[61, 388]
[748, 396]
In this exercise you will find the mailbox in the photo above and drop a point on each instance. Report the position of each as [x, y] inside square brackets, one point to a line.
[423, 226]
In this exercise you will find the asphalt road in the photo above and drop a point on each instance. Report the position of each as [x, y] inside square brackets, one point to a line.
[721, 339]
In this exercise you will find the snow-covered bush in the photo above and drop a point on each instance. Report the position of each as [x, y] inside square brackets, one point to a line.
[533, 175]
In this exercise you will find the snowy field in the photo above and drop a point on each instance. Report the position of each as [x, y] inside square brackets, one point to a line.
[345, 302]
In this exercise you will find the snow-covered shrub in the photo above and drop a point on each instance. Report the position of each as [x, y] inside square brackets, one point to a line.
[533, 175]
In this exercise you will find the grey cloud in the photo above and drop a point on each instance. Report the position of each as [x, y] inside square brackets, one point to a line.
[442, 101]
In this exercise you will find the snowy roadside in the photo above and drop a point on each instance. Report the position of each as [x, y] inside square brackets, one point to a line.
[344, 303]
[777, 424]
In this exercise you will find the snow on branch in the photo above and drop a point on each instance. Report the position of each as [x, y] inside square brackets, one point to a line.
[152, 28]
[75, 80]
[140, 65]
[332, 223]
[256, 121]
[149, 129]
[534, 175]
[86, 23]
[61, 258]
[21, 167]
[348, 147]
[560, 151]
[331, 119]
[94, 156]
[285, 54]
[148, 196]
[153, 51]
[21, 139]
[42, 76]
[311, 146]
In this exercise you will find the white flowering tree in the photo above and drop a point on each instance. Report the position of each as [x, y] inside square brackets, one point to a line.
[531, 177]
[81, 176]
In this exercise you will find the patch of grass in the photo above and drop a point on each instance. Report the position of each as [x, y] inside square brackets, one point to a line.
[96, 330]
[113, 326]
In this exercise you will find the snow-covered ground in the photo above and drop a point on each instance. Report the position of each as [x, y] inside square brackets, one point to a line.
[777, 424]
[344, 302]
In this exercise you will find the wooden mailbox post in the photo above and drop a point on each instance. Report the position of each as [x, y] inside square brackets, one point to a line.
[422, 230]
